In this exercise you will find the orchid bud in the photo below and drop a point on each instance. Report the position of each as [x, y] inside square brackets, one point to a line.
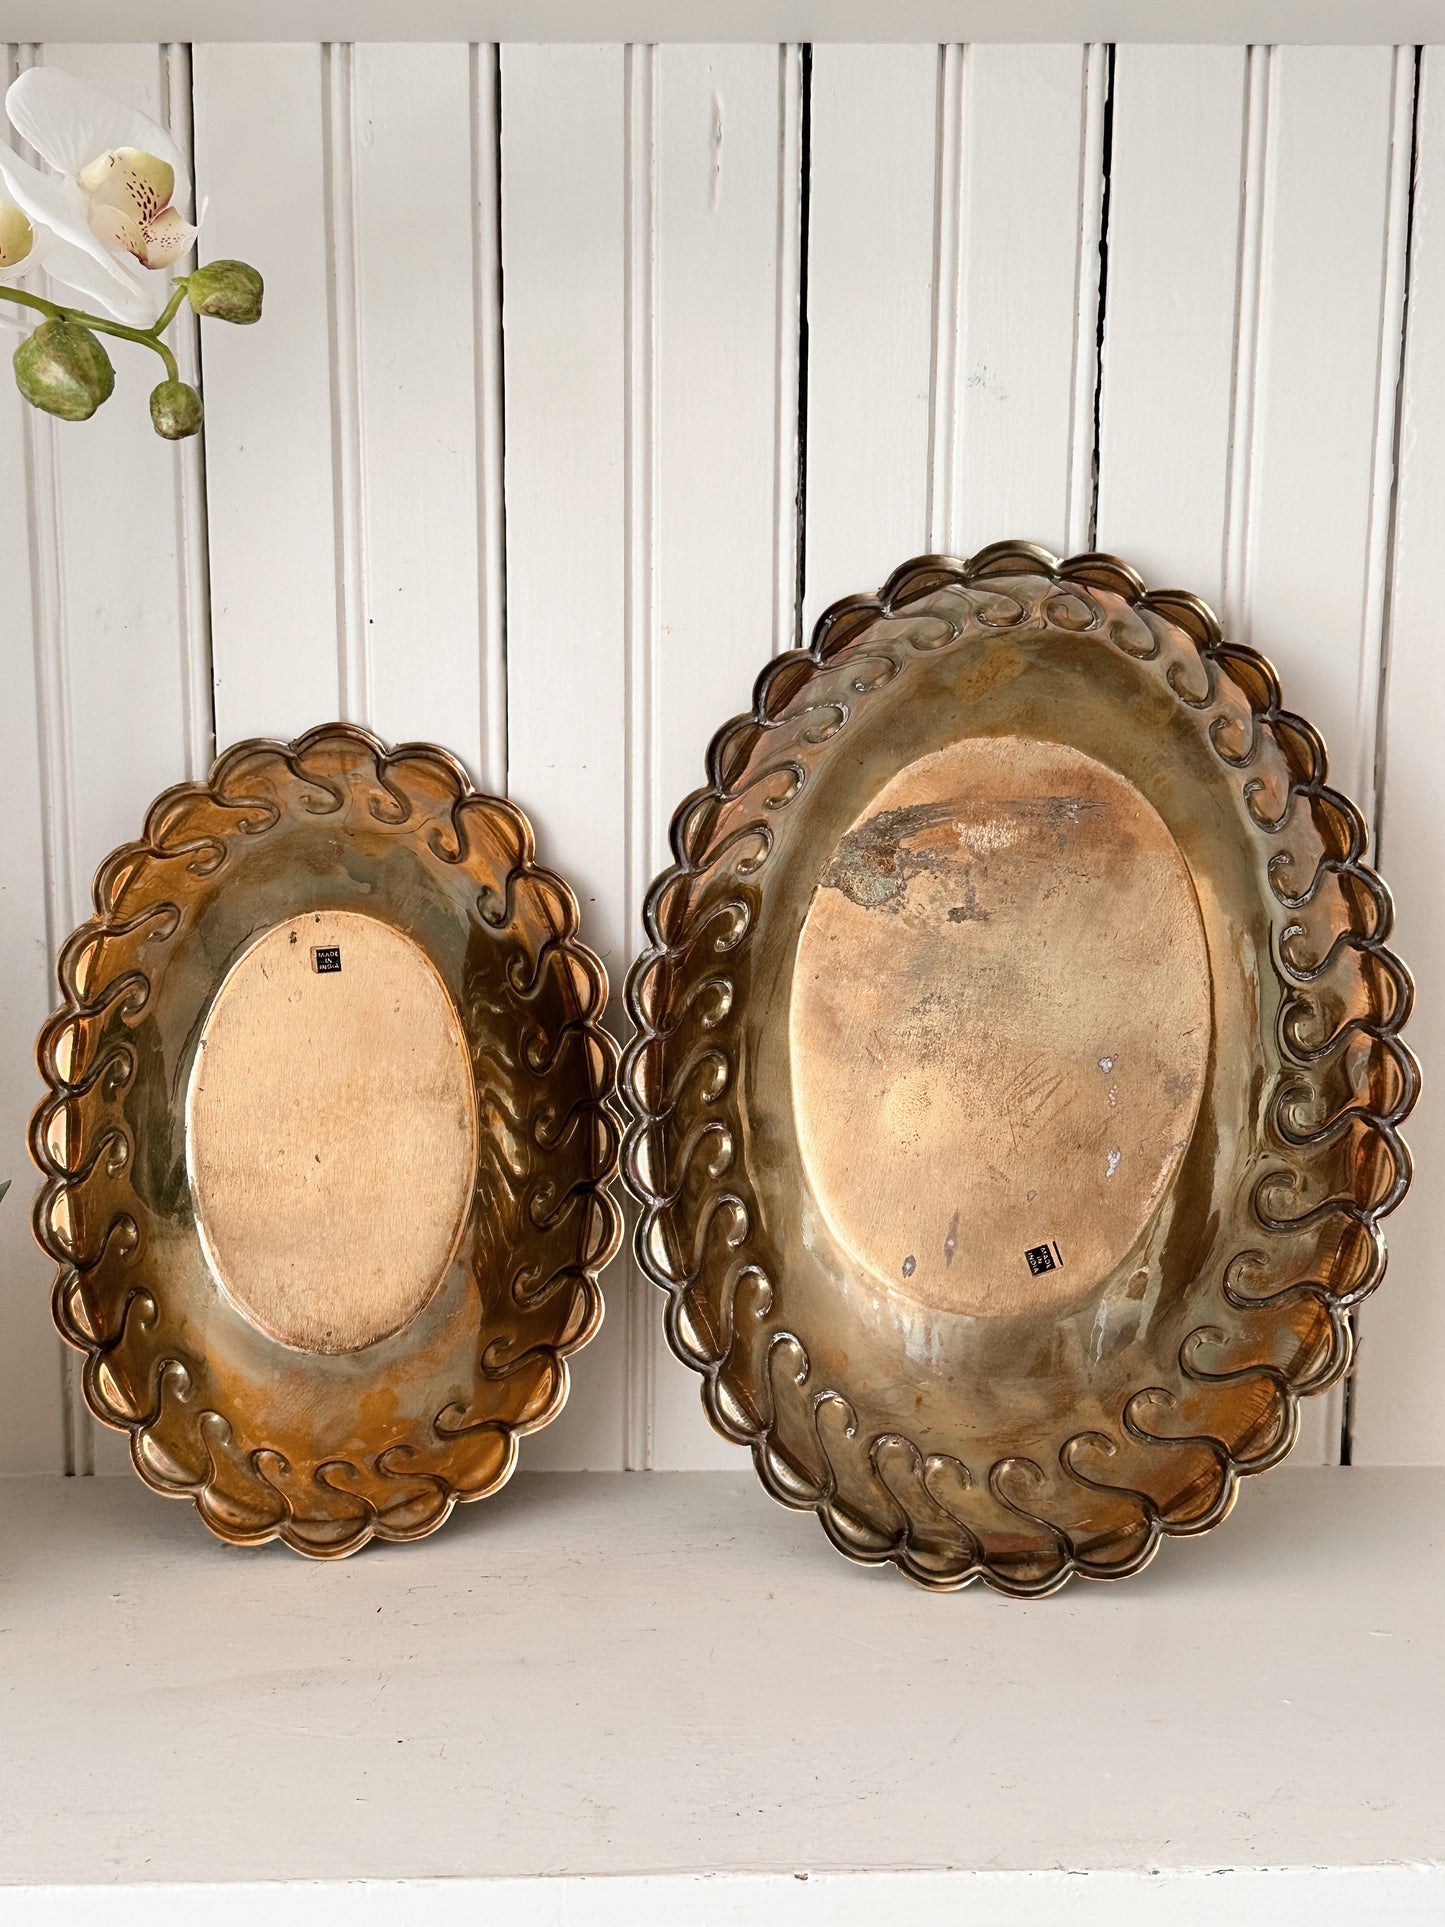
[229, 290]
[63, 369]
[176, 410]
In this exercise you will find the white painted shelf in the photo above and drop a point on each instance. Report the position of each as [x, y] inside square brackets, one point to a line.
[659, 1697]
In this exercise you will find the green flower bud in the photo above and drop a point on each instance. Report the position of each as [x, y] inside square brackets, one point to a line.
[229, 290]
[176, 410]
[63, 369]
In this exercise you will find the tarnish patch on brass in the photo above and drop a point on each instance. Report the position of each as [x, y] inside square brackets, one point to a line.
[1038, 927]
[875, 863]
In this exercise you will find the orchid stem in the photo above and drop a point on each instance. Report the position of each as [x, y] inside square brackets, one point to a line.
[34, 301]
[147, 337]
[168, 313]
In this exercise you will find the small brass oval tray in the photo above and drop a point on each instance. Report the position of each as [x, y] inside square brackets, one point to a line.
[1017, 1081]
[327, 1142]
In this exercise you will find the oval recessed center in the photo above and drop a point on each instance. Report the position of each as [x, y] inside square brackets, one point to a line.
[1000, 1026]
[331, 1131]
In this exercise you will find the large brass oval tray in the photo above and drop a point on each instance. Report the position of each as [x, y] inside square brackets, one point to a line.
[327, 1142]
[1017, 1081]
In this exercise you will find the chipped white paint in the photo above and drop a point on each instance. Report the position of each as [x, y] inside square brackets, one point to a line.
[347, 539]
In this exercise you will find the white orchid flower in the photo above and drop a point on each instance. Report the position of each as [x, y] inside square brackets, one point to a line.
[24, 246]
[130, 206]
[110, 210]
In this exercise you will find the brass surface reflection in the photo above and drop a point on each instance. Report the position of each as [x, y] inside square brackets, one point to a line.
[327, 1142]
[1017, 1081]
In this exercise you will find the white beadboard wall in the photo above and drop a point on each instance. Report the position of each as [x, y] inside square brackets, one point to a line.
[591, 375]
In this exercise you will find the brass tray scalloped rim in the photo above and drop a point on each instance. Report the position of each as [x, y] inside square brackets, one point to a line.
[542, 1175]
[879, 1498]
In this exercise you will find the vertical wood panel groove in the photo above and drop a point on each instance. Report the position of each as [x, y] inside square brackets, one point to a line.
[1081, 509]
[790, 395]
[1022, 378]
[1234, 601]
[1307, 523]
[344, 318]
[1397, 1416]
[1101, 321]
[261, 138]
[1363, 782]
[639, 625]
[55, 755]
[727, 300]
[1374, 689]
[197, 685]
[486, 124]
[1392, 534]
[56, 760]
[414, 558]
[874, 167]
[943, 452]
[1170, 301]
[564, 222]
[127, 674]
[59, 863]
[791, 507]
[66, 896]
